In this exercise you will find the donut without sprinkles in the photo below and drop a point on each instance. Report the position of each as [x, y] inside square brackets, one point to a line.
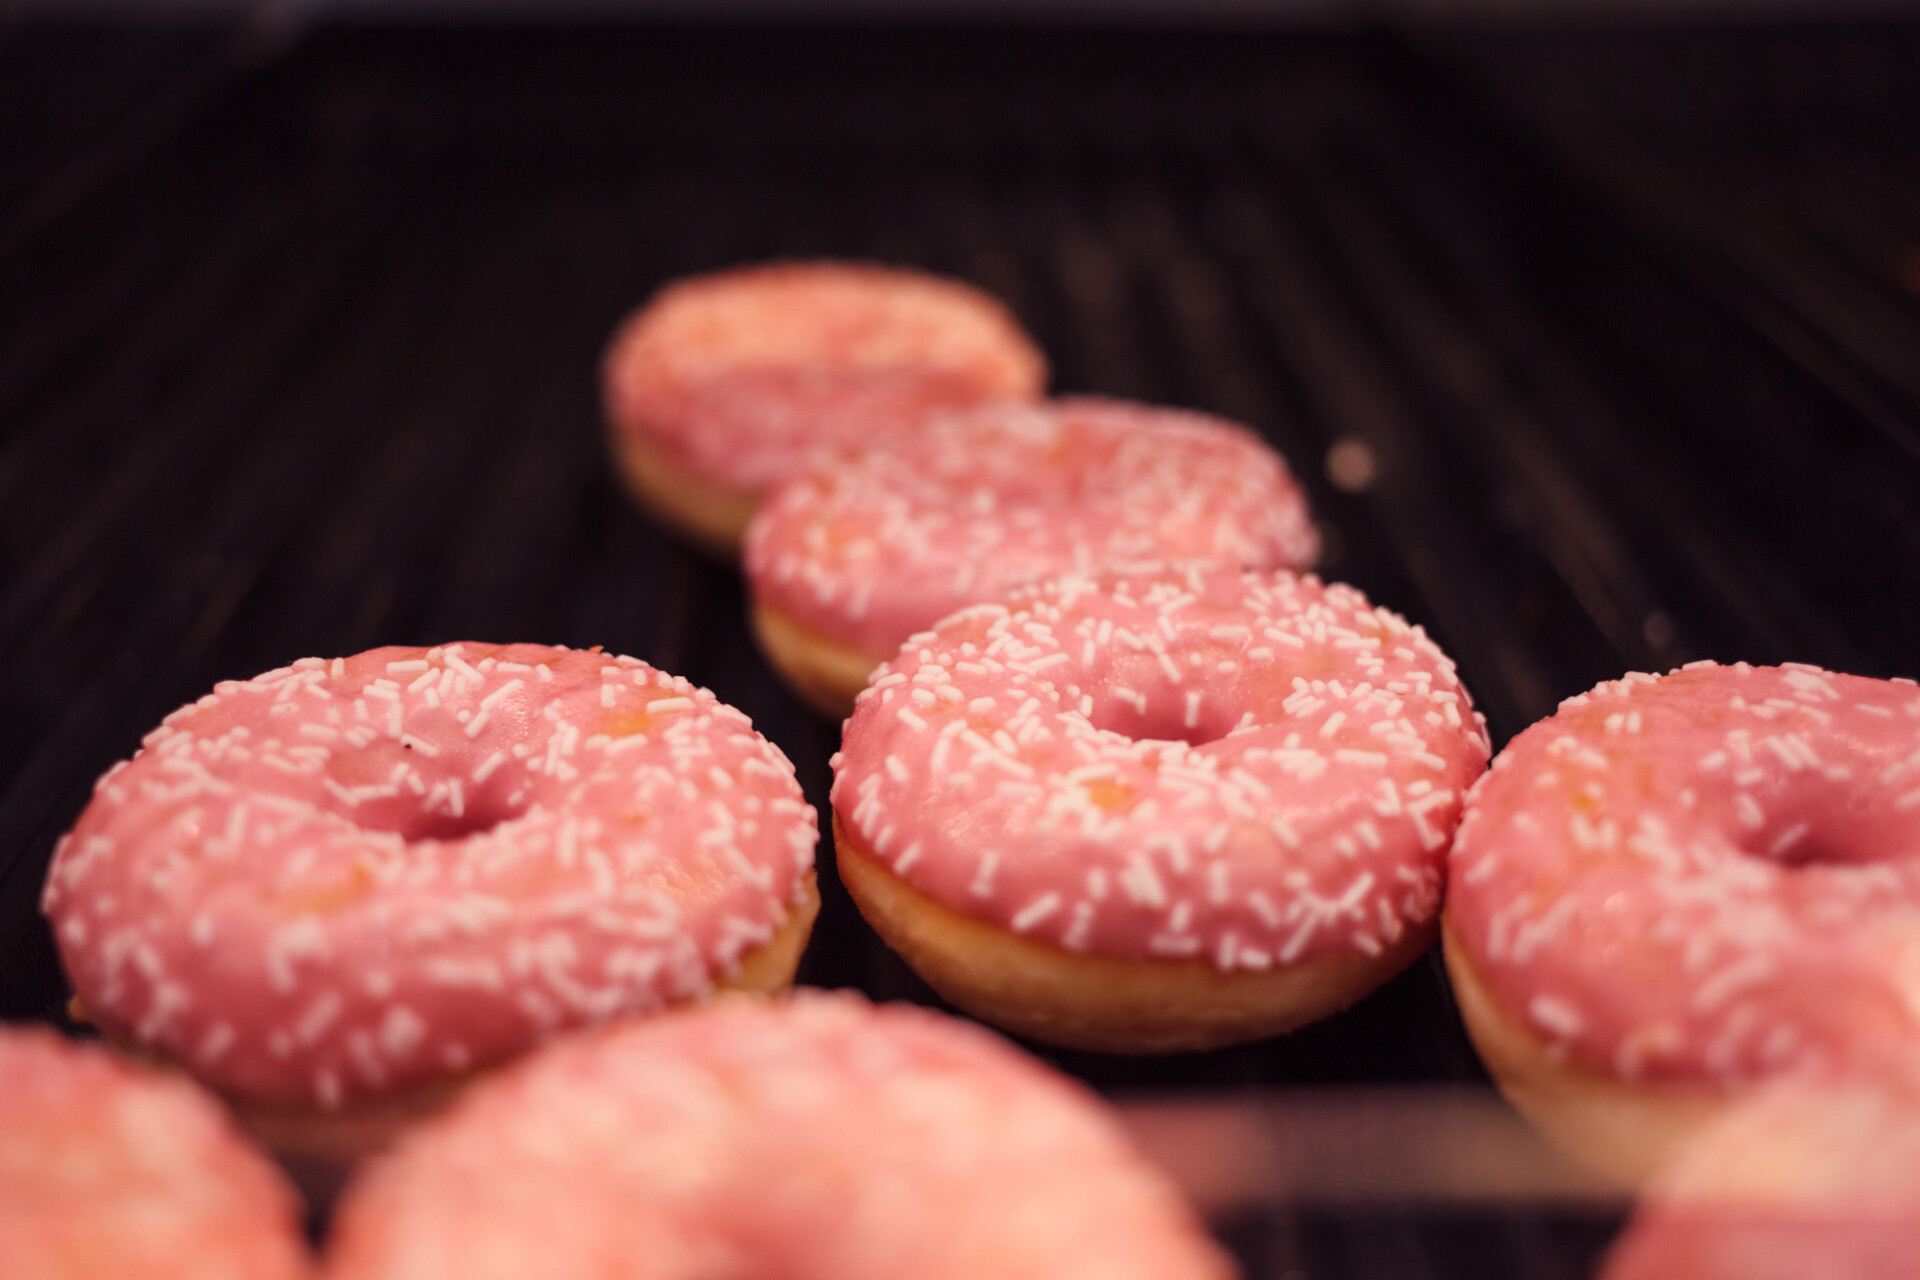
[1160, 809]
[344, 881]
[819, 1138]
[725, 384]
[112, 1169]
[1677, 886]
[852, 557]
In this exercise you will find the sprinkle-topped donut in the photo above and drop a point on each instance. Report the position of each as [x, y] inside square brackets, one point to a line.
[1678, 885]
[346, 879]
[724, 384]
[850, 558]
[818, 1138]
[109, 1168]
[1157, 809]
[1794, 1181]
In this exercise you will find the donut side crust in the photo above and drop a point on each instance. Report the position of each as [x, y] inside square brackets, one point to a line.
[332, 1139]
[1624, 1132]
[713, 516]
[827, 674]
[1102, 1003]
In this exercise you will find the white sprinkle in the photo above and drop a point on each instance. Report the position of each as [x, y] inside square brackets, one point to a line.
[319, 1015]
[1036, 911]
[1142, 883]
[1736, 977]
[1787, 839]
[1556, 1016]
[1366, 759]
[401, 1032]
[218, 1040]
[982, 886]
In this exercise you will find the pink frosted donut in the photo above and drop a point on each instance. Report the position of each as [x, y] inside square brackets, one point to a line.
[1793, 1182]
[1678, 885]
[820, 1138]
[343, 883]
[111, 1169]
[850, 558]
[723, 385]
[1158, 809]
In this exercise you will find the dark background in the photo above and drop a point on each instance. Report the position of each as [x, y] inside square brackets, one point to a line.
[299, 332]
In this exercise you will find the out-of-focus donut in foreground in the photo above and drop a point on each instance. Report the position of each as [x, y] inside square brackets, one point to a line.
[334, 891]
[1157, 810]
[1678, 886]
[109, 1168]
[850, 558]
[817, 1137]
[725, 384]
[1791, 1183]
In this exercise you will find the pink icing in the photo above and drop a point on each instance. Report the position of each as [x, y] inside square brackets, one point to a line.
[747, 374]
[869, 550]
[340, 879]
[814, 1138]
[113, 1169]
[1250, 767]
[1709, 875]
[1791, 1182]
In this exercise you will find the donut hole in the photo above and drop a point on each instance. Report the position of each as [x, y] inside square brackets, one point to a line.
[1798, 848]
[435, 803]
[475, 818]
[1817, 825]
[1162, 713]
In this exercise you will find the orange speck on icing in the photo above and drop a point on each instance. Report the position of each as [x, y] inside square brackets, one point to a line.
[626, 723]
[328, 898]
[1112, 795]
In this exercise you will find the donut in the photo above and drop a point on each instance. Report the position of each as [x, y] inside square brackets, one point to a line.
[1793, 1181]
[819, 1137]
[1679, 885]
[724, 384]
[1157, 809]
[851, 557]
[108, 1168]
[334, 891]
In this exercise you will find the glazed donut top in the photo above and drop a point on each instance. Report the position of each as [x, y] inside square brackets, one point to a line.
[1244, 767]
[113, 1169]
[339, 879]
[813, 1137]
[746, 373]
[1705, 875]
[871, 549]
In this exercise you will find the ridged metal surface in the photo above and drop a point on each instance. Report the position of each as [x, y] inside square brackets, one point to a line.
[298, 356]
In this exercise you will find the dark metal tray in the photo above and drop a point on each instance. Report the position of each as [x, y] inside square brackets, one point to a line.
[299, 342]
